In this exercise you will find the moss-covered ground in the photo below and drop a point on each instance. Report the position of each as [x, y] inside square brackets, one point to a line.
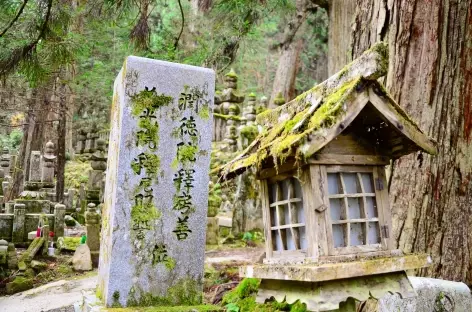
[58, 268]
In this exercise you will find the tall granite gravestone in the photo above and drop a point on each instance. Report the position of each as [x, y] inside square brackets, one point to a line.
[156, 193]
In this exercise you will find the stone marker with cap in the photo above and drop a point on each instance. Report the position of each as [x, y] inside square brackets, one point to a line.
[47, 172]
[156, 193]
[92, 227]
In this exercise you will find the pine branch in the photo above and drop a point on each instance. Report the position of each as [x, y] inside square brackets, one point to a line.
[15, 19]
[20, 54]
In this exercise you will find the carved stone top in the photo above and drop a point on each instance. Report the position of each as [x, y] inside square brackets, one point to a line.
[279, 99]
[99, 157]
[91, 215]
[231, 79]
[49, 152]
[5, 158]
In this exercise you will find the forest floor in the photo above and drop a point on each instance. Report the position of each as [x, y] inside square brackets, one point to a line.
[58, 287]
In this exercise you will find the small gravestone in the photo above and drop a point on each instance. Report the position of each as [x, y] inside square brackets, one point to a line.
[156, 193]
[92, 226]
[47, 173]
[35, 167]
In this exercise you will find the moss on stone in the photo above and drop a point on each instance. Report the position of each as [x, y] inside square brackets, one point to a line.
[185, 292]
[195, 308]
[187, 153]
[282, 140]
[69, 243]
[204, 112]
[148, 100]
[249, 132]
[20, 283]
[227, 117]
[243, 297]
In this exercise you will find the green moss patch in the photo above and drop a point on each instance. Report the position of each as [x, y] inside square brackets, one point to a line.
[76, 173]
[199, 308]
[184, 292]
[243, 299]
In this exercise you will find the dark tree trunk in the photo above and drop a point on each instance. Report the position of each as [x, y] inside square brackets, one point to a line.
[18, 178]
[287, 72]
[61, 144]
[430, 76]
[289, 49]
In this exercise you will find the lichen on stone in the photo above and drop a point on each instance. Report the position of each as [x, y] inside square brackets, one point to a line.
[183, 292]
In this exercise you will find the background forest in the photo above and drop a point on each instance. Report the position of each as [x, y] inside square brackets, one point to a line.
[58, 60]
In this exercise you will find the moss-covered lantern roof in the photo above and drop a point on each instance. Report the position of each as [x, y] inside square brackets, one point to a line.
[351, 98]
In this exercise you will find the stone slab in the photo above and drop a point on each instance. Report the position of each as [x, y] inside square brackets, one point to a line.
[35, 167]
[225, 222]
[433, 295]
[327, 295]
[156, 193]
[334, 271]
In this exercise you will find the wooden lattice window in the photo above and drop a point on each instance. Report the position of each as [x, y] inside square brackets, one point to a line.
[286, 217]
[355, 209]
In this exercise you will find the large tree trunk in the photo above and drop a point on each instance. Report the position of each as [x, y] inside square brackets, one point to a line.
[287, 70]
[16, 185]
[430, 75]
[339, 34]
[61, 143]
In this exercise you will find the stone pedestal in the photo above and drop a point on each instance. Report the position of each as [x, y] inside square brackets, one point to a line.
[92, 225]
[59, 215]
[18, 223]
[212, 231]
[154, 217]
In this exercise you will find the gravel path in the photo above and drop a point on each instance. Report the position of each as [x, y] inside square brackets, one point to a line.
[53, 297]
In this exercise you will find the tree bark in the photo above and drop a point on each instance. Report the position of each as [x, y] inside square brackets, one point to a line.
[339, 34]
[289, 47]
[286, 73]
[61, 143]
[16, 185]
[430, 76]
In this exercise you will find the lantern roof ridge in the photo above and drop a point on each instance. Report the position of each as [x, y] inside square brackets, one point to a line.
[306, 124]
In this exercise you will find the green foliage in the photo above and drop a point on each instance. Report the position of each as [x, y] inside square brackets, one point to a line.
[76, 173]
[248, 236]
[11, 141]
[242, 299]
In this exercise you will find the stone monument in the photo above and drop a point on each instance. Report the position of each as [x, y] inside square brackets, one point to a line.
[156, 193]
[35, 167]
[92, 225]
[5, 161]
[47, 172]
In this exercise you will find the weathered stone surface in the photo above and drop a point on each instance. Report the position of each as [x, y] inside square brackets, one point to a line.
[92, 225]
[38, 265]
[82, 260]
[154, 217]
[12, 257]
[95, 179]
[35, 167]
[433, 295]
[212, 231]
[19, 284]
[59, 215]
[3, 251]
[19, 223]
[47, 172]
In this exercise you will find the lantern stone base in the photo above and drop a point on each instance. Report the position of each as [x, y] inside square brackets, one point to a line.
[324, 286]
[333, 271]
[327, 295]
